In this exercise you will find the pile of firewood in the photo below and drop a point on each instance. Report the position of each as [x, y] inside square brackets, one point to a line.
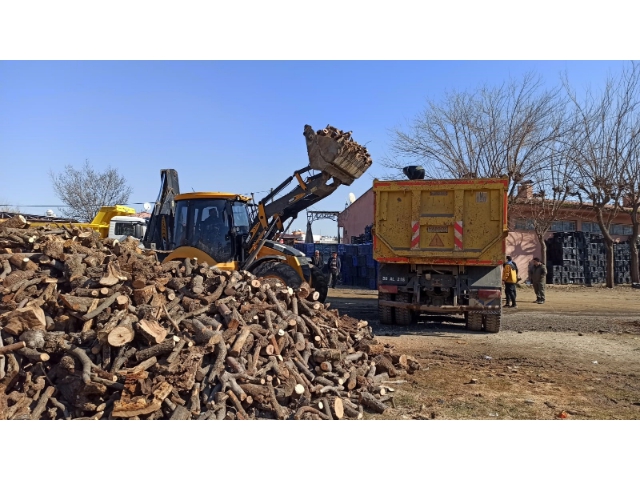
[97, 329]
[334, 152]
[348, 144]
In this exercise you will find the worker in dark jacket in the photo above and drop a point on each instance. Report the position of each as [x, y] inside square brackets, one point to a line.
[317, 260]
[539, 279]
[334, 269]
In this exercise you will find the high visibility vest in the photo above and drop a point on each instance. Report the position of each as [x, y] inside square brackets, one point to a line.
[509, 274]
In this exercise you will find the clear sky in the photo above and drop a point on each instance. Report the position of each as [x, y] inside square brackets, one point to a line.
[223, 125]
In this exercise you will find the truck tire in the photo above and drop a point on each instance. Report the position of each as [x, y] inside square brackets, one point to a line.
[319, 283]
[385, 313]
[492, 323]
[474, 321]
[403, 315]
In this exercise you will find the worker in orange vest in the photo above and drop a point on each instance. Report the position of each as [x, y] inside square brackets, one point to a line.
[510, 278]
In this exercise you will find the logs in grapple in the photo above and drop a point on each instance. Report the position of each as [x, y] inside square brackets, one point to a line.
[95, 329]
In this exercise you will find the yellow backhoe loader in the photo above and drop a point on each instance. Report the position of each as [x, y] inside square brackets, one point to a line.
[232, 232]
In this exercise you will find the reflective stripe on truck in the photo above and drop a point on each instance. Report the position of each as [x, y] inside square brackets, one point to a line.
[457, 231]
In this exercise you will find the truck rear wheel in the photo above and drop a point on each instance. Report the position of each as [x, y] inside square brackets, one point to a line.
[492, 323]
[385, 313]
[403, 315]
[474, 321]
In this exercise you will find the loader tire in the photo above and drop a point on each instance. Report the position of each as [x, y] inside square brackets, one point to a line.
[492, 323]
[474, 321]
[403, 315]
[385, 313]
[319, 283]
[283, 272]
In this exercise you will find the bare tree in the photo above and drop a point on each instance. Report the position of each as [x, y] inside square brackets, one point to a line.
[551, 187]
[492, 132]
[631, 202]
[85, 190]
[602, 144]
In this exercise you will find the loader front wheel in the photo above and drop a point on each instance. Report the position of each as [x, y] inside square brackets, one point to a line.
[319, 283]
[283, 272]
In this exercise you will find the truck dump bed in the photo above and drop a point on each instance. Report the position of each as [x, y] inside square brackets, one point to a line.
[453, 222]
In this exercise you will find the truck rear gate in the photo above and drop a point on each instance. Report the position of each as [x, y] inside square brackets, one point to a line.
[440, 244]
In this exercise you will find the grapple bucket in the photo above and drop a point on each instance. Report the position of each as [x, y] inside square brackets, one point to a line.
[333, 151]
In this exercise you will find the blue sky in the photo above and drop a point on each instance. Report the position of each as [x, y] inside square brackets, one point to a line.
[223, 125]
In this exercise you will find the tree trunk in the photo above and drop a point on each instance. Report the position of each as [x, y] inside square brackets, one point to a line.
[609, 278]
[633, 246]
[608, 241]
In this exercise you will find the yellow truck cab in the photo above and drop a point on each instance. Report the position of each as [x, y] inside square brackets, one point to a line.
[116, 222]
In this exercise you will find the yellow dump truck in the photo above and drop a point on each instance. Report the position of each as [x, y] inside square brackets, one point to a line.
[116, 222]
[440, 245]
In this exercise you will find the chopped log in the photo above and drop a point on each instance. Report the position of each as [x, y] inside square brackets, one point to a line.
[152, 331]
[240, 341]
[303, 290]
[33, 355]
[139, 282]
[134, 407]
[94, 313]
[143, 296]
[77, 304]
[112, 276]
[122, 357]
[376, 349]
[21, 319]
[197, 284]
[122, 302]
[17, 221]
[11, 348]
[372, 403]
[123, 333]
[176, 350]
[308, 409]
[242, 414]
[194, 402]
[327, 354]
[155, 350]
[235, 365]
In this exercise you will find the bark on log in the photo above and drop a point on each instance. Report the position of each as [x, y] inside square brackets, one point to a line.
[34, 355]
[240, 341]
[373, 403]
[308, 409]
[156, 350]
[11, 348]
[94, 313]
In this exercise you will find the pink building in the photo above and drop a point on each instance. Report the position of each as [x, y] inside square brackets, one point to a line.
[356, 217]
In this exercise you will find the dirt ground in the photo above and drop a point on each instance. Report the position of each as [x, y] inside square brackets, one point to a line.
[577, 356]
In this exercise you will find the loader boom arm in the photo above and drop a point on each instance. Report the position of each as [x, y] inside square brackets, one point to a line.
[160, 229]
[272, 210]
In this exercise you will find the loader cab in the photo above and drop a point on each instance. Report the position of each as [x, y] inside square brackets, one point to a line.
[212, 223]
